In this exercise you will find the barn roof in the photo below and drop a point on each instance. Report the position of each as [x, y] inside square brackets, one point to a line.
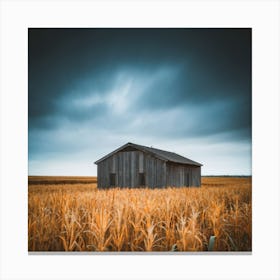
[161, 154]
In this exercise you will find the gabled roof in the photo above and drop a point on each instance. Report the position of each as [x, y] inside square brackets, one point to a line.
[161, 154]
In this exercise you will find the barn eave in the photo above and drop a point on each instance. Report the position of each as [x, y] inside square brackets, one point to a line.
[188, 164]
[130, 145]
[159, 154]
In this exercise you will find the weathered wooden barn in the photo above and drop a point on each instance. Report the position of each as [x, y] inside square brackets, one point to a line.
[135, 166]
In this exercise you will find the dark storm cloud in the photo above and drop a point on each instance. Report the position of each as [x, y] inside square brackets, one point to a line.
[214, 60]
[84, 84]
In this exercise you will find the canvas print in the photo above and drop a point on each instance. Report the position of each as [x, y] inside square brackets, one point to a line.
[139, 140]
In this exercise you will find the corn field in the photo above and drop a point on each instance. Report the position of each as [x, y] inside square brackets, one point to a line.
[79, 217]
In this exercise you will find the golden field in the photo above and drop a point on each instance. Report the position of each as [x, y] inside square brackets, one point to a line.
[71, 214]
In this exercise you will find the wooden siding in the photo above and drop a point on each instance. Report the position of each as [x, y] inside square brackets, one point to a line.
[127, 164]
[183, 175]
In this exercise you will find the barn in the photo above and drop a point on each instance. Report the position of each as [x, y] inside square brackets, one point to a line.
[134, 165]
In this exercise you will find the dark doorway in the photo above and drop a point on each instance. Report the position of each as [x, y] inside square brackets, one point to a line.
[142, 179]
[188, 180]
[112, 179]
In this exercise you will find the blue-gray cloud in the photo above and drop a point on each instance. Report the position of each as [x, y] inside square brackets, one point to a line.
[87, 84]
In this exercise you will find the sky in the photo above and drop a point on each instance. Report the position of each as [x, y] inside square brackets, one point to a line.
[183, 90]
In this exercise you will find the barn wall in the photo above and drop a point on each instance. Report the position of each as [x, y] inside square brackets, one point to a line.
[155, 170]
[196, 176]
[127, 165]
[183, 175]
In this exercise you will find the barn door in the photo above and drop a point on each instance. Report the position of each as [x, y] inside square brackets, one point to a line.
[188, 179]
[112, 179]
[142, 181]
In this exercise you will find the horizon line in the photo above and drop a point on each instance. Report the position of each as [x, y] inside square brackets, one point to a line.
[205, 175]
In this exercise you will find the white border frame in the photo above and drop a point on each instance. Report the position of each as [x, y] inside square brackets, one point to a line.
[17, 16]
